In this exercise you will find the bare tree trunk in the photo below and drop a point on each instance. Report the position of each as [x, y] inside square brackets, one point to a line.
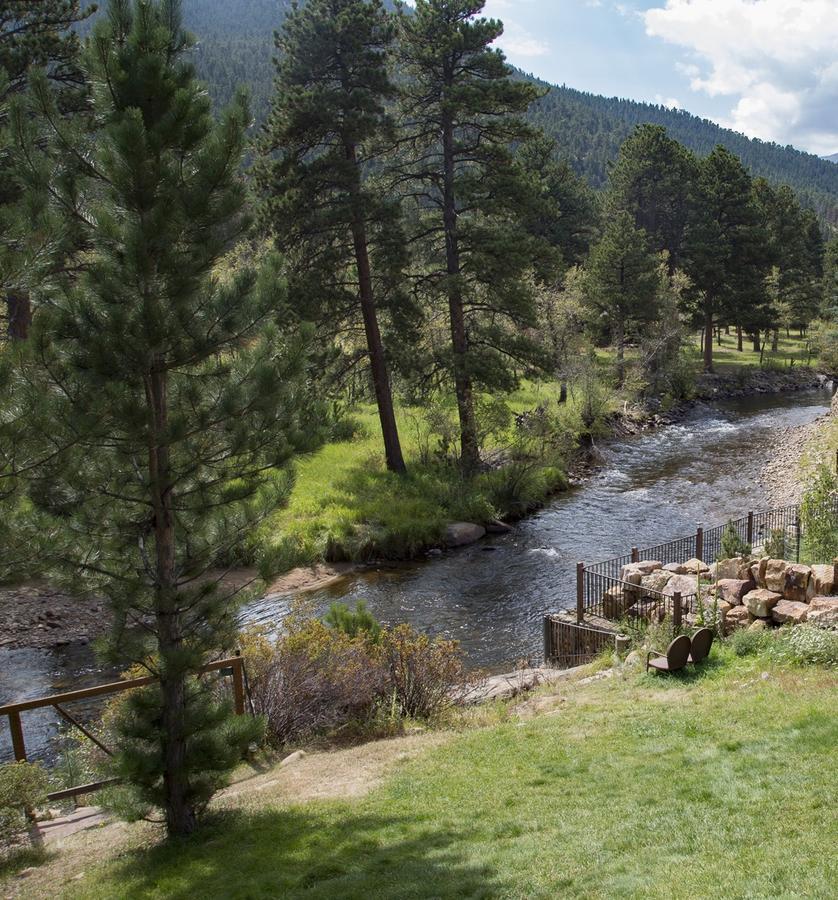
[708, 336]
[620, 342]
[739, 345]
[375, 346]
[562, 391]
[180, 815]
[756, 343]
[775, 340]
[469, 449]
[19, 310]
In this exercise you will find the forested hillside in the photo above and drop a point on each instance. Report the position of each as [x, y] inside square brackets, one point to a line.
[235, 46]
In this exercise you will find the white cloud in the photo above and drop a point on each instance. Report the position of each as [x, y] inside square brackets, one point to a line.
[517, 42]
[775, 59]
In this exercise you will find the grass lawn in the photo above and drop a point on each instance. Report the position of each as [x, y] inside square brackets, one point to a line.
[721, 783]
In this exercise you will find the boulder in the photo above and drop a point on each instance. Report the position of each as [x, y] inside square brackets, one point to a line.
[799, 585]
[615, 603]
[657, 581]
[825, 580]
[631, 574]
[648, 610]
[732, 590]
[775, 575]
[459, 534]
[758, 625]
[696, 566]
[823, 611]
[645, 567]
[685, 585]
[758, 571]
[760, 602]
[790, 611]
[675, 568]
[727, 569]
[736, 617]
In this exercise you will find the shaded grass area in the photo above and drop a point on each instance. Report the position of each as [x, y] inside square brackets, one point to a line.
[719, 783]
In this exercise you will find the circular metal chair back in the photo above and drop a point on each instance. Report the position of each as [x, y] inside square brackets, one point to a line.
[678, 652]
[701, 644]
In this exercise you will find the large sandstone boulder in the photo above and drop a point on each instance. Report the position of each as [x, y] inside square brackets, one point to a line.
[459, 534]
[760, 602]
[732, 590]
[648, 610]
[615, 603]
[758, 571]
[737, 617]
[775, 575]
[825, 580]
[675, 568]
[799, 584]
[727, 568]
[790, 611]
[643, 568]
[657, 581]
[685, 585]
[823, 611]
[696, 566]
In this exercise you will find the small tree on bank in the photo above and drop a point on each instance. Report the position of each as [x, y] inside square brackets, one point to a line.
[327, 128]
[166, 397]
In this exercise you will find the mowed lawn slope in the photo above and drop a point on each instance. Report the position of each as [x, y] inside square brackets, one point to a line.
[720, 784]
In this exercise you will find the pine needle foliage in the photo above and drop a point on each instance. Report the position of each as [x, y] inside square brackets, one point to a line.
[166, 396]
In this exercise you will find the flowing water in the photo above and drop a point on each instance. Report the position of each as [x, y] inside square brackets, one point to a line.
[491, 596]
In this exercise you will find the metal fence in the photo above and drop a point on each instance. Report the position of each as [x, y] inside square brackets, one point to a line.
[567, 644]
[601, 592]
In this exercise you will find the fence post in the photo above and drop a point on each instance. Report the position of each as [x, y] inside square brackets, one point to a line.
[548, 641]
[238, 685]
[580, 592]
[635, 555]
[17, 736]
[750, 538]
[699, 543]
[797, 534]
[677, 611]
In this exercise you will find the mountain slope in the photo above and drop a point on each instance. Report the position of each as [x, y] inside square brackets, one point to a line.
[235, 46]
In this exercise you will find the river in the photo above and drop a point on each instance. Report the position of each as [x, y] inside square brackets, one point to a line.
[491, 596]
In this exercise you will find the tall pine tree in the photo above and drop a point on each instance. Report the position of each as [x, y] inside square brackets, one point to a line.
[322, 144]
[461, 112]
[168, 396]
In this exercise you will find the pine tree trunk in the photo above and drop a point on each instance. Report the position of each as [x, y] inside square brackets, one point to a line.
[180, 816]
[469, 449]
[739, 345]
[620, 341]
[378, 362]
[563, 391]
[708, 336]
[755, 338]
[775, 340]
[19, 310]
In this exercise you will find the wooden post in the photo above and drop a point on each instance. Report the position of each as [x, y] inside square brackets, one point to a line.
[17, 736]
[580, 592]
[751, 528]
[548, 641]
[699, 543]
[677, 610]
[635, 555]
[238, 685]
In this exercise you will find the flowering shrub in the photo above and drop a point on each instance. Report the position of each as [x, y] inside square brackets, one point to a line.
[810, 644]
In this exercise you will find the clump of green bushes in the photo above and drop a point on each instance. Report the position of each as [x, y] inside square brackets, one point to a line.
[799, 645]
[23, 787]
[348, 675]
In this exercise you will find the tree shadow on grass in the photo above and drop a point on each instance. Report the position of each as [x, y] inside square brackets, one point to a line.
[292, 853]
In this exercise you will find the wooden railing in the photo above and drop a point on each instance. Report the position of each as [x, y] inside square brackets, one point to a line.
[234, 666]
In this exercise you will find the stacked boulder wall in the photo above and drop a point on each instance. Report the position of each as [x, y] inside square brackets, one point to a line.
[799, 583]
[733, 590]
[775, 575]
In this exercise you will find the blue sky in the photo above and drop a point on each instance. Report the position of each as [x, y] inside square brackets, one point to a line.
[768, 68]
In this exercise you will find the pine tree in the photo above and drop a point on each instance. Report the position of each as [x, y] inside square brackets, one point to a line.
[725, 247]
[460, 108]
[33, 34]
[323, 141]
[653, 179]
[622, 282]
[167, 394]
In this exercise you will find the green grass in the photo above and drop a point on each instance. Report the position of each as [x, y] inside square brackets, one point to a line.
[720, 783]
[727, 358]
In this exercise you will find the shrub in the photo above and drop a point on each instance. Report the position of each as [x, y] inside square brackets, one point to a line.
[808, 644]
[749, 643]
[353, 622]
[775, 546]
[732, 544]
[23, 786]
[818, 516]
